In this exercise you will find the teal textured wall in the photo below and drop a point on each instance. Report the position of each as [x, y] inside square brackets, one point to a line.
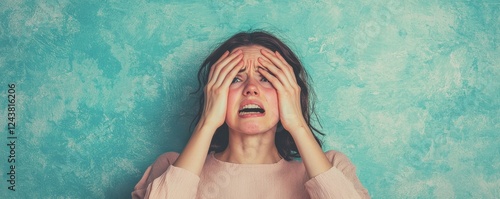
[409, 90]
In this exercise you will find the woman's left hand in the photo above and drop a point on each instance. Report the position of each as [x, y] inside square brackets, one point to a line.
[282, 77]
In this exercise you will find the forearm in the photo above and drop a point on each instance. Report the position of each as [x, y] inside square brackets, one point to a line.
[194, 154]
[312, 155]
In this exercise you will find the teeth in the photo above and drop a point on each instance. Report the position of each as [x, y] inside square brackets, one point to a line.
[251, 109]
[246, 113]
[251, 106]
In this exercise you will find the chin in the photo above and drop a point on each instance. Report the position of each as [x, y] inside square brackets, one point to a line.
[253, 129]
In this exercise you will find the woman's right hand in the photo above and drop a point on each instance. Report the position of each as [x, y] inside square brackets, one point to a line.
[216, 91]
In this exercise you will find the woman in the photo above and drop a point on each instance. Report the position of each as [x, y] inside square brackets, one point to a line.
[254, 119]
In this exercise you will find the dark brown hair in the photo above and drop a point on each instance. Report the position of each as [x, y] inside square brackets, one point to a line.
[283, 140]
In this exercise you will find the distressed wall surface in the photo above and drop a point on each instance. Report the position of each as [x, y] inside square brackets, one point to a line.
[409, 90]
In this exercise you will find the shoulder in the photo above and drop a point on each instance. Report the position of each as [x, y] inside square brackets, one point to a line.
[342, 163]
[162, 163]
[167, 158]
[154, 171]
[339, 160]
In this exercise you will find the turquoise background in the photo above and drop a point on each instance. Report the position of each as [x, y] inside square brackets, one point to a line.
[409, 90]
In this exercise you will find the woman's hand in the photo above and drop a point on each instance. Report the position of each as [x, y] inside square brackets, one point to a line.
[282, 77]
[216, 91]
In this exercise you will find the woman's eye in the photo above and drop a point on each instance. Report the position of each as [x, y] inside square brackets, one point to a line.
[264, 79]
[235, 80]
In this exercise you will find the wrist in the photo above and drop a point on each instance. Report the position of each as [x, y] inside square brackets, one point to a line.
[297, 128]
[206, 126]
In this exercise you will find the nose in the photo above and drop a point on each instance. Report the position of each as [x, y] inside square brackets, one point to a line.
[250, 89]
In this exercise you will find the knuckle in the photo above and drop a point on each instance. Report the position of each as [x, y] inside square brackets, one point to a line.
[206, 89]
[217, 91]
[288, 93]
[216, 66]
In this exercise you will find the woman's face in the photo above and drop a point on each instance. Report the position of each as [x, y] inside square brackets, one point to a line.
[252, 105]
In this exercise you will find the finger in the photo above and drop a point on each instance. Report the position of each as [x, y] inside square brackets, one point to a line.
[289, 66]
[232, 74]
[227, 69]
[275, 71]
[271, 78]
[218, 67]
[222, 57]
[222, 64]
[282, 65]
[217, 62]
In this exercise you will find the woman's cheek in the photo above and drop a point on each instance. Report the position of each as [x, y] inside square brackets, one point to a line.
[268, 85]
[272, 98]
[231, 100]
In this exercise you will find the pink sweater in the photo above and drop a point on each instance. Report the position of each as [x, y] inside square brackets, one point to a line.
[221, 180]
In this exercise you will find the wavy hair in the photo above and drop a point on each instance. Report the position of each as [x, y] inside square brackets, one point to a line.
[283, 140]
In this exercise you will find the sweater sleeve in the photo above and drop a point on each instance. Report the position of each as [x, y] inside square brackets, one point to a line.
[163, 180]
[340, 181]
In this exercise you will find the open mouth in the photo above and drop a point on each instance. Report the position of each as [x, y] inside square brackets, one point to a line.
[251, 109]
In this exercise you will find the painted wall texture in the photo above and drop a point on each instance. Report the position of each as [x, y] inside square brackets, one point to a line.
[409, 90]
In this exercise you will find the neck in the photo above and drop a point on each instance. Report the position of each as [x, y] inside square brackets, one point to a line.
[250, 149]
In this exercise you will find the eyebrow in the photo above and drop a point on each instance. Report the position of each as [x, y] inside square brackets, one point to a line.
[245, 68]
